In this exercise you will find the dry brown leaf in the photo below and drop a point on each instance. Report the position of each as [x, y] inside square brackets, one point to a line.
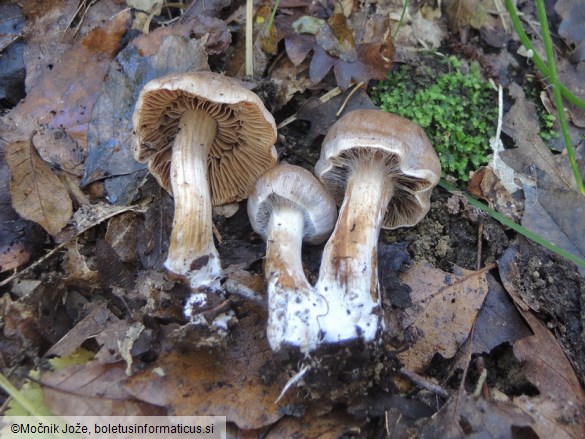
[358, 49]
[444, 310]
[217, 36]
[549, 417]
[551, 286]
[546, 365]
[77, 269]
[464, 13]
[37, 194]
[13, 256]
[19, 238]
[467, 416]
[53, 27]
[557, 216]
[222, 382]
[560, 407]
[92, 389]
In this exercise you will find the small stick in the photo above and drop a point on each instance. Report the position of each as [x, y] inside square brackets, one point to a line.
[481, 386]
[250, 38]
[424, 383]
[348, 97]
[479, 242]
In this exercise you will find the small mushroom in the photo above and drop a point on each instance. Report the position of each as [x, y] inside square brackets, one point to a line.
[288, 206]
[206, 139]
[381, 168]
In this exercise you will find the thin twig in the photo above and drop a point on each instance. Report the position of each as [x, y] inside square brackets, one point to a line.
[424, 383]
[348, 97]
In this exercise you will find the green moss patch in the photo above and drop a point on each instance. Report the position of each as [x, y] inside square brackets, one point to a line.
[457, 110]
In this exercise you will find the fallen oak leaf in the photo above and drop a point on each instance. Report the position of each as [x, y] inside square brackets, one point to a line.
[63, 97]
[560, 406]
[445, 307]
[37, 194]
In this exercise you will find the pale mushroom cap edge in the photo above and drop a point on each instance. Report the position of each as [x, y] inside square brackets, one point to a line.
[297, 187]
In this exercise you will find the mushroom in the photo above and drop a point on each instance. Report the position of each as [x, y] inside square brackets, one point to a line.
[206, 139]
[381, 168]
[288, 206]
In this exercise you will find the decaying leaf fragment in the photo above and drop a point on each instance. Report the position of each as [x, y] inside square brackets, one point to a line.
[357, 49]
[464, 13]
[37, 194]
[93, 388]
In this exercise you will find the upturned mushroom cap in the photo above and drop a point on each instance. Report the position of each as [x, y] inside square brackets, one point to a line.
[397, 142]
[242, 149]
[288, 185]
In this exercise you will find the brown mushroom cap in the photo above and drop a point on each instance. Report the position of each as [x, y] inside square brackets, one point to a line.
[400, 143]
[243, 147]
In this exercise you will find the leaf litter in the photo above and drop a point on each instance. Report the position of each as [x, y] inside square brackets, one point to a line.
[448, 305]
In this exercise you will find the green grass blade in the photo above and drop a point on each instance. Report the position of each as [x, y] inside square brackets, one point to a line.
[538, 62]
[511, 224]
[554, 80]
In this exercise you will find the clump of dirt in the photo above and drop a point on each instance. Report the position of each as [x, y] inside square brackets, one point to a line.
[341, 373]
[446, 240]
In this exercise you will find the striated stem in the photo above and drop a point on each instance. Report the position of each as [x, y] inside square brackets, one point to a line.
[292, 303]
[348, 279]
[192, 252]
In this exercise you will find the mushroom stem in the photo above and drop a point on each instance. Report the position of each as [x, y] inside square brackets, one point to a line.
[191, 249]
[348, 278]
[292, 303]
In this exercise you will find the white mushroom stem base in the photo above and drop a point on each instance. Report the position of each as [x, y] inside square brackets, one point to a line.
[192, 253]
[348, 278]
[293, 306]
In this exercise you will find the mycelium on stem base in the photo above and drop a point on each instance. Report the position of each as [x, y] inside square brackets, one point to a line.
[292, 303]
